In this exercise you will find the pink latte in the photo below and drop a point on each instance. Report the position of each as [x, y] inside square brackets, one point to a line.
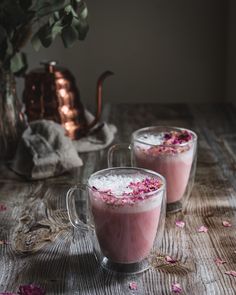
[170, 154]
[126, 212]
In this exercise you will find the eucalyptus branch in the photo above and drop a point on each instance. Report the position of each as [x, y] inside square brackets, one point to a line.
[17, 25]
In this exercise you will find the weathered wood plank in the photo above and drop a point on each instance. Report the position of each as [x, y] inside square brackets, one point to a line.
[65, 264]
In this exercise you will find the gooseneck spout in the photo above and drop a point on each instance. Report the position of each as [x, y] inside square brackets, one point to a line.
[102, 77]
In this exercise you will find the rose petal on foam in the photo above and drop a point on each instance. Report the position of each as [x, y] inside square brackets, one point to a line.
[31, 290]
[231, 273]
[226, 223]
[202, 229]
[180, 223]
[133, 286]
[176, 288]
[219, 261]
[170, 259]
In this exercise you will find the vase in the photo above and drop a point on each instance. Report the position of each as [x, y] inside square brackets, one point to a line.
[12, 122]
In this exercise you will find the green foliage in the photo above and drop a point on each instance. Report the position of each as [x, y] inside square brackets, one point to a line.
[18, 18]
[18, 63]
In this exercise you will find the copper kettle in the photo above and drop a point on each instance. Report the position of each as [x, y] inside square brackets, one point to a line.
[51, 93]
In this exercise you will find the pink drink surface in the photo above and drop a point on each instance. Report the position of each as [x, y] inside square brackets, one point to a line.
[126, 231]
[174, 167]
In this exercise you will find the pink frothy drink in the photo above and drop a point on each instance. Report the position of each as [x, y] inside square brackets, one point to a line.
[170, 153]
[126, 214]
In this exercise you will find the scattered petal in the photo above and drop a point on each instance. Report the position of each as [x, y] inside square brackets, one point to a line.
[176, 288]
[180, 223]
[170, 259]
[31, 290]
[231, 273]
[226, 223]
[219, 261]
[133, 286]
[202, 229]
[3, 207]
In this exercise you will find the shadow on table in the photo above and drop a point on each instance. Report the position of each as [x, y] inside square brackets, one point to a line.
[71, 274]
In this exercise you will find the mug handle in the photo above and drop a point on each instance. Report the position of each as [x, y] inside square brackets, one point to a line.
[122, 153]
[71, 209]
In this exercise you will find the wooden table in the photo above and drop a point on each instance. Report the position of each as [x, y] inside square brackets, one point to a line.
[42, 247]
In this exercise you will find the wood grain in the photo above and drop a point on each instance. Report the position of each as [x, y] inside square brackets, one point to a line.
[45, 250]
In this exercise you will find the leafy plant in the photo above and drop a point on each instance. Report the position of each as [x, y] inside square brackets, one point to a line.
[40, 21]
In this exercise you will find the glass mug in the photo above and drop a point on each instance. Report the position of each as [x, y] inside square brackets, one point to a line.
[125, 218]
[170, 151]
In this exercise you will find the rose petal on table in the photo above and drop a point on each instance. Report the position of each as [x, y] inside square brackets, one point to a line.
[3, 207]
[226, 223]
[231, 273]
[31, 290]
[133, 286]
[180, 223]
[219, 261]
[176, 288]
[170, 259]
[202, 229]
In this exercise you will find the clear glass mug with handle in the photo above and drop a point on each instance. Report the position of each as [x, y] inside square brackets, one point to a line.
[125, 217]
[169, 151]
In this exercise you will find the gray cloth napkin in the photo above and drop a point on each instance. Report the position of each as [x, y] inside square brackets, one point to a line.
[44, 150]
[98, 138]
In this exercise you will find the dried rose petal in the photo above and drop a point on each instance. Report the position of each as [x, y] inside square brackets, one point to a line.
[133, 286]
[180, 223]
[176, 288]
[145, 186]
[31, 290]
[219, 261]
[226, 223]
[176, 137]
[138, 192]
[167, 136]
[170, 259]
[202, 229]
[3, 207]
[231, 273]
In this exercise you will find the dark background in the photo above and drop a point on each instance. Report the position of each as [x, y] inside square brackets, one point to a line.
[160, 50]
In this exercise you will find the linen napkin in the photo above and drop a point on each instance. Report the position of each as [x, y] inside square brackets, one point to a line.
[98, 138]
[45, 151]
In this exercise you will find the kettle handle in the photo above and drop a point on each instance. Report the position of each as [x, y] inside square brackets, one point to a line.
[102, 77]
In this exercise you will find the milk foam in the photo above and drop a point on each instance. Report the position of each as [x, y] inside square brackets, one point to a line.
[153, 139]
[118, 184]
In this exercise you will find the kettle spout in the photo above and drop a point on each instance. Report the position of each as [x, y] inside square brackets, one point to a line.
[100, 80]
